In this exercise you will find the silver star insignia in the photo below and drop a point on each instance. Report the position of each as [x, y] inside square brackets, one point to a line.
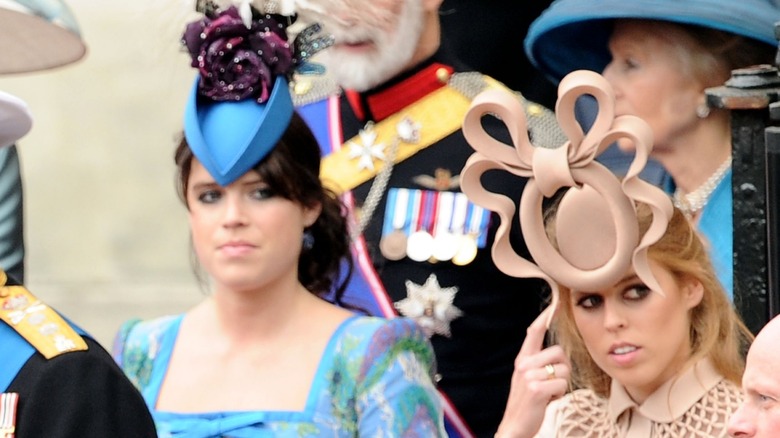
[430, 305]
[367, 150]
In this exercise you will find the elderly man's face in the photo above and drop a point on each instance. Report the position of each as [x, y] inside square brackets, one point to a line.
[759, 414]
[374, 39]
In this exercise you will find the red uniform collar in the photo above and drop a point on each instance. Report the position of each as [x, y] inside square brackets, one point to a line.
[378, 105]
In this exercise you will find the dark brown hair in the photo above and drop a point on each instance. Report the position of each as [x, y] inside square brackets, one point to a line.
[291, 170]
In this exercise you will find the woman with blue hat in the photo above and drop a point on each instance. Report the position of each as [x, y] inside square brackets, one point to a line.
[269, 352]
[660, 56]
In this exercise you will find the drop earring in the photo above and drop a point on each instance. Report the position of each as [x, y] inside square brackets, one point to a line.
[308, 240]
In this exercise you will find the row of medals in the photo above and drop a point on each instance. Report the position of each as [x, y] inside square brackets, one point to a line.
[440, 245]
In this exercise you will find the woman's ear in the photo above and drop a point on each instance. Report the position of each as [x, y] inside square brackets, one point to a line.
[310, 214]
[693, 292]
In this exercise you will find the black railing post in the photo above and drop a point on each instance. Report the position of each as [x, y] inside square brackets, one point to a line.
[748, 95]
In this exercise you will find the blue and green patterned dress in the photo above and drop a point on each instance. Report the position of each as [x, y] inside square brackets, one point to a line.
[374, 380]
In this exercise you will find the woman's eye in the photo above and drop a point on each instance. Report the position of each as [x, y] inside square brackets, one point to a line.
[589, 301]
[625, 63]
[263, 193]
[636, 292]
[209, 196]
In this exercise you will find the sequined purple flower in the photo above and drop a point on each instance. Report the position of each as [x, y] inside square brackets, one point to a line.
[236, 62]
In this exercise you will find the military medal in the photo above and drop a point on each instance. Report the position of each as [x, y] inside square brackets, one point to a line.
[467, 250]
[419, 246]
[393, 242]
[430, 305]
[445, 243]
[8, 402]
[445, 246]
[475, 225]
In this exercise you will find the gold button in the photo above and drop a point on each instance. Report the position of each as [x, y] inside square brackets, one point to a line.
[443, 75]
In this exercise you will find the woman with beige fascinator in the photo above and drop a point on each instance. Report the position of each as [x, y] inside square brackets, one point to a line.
[644, 340]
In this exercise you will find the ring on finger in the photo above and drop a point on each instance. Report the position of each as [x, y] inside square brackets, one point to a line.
[550, 368]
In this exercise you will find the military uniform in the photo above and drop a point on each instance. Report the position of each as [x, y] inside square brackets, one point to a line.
[476, 315]
[56, 381]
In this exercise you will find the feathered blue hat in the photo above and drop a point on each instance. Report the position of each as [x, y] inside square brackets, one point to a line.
[240, 104]
[572, 34]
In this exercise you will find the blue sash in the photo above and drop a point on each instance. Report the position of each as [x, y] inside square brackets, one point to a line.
[15, 351]
[360, 292]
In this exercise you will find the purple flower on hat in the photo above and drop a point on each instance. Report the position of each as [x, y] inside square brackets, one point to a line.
[236, 61]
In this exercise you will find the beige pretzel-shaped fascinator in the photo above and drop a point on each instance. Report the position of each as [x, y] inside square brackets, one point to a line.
[596, 223]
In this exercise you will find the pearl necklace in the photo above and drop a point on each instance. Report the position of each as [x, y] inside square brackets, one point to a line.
[691, 203]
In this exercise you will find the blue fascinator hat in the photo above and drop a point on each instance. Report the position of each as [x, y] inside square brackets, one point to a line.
[572, 34]
[240, 103]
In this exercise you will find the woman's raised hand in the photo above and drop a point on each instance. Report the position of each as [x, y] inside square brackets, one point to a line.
[540, 376]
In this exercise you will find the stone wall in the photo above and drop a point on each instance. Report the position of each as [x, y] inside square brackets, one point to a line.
[106, 236]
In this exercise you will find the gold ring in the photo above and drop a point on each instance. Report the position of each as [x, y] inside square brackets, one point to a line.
[550, 371]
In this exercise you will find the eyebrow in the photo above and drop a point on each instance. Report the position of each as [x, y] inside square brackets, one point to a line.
[203, 184]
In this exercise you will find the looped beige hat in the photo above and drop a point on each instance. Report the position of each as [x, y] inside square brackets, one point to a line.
[596, 226]
[37, 35]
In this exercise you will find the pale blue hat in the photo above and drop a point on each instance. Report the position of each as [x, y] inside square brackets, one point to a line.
[572, 34]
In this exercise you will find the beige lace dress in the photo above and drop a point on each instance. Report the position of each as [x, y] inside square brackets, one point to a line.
[697, 404]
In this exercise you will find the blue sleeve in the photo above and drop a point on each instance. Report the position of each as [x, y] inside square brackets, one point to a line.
[395, 393]
[131, 351]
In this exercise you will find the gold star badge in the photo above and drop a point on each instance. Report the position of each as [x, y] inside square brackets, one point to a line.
[430, 305]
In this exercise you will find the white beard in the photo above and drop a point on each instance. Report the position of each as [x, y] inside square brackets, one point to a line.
[393, 49]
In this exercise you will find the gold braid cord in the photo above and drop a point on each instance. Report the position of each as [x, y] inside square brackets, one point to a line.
[596, 224]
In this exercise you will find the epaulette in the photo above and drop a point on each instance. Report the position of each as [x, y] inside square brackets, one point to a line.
[441, 112]
[36, 322]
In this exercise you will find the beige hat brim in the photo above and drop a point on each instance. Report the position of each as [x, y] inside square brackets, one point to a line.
[31, 43]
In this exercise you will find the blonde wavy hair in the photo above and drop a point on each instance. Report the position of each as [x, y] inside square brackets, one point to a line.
[716, 332]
